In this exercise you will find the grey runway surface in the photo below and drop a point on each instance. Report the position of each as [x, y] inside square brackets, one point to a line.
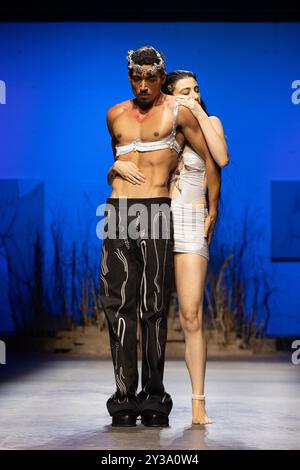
[59, 403]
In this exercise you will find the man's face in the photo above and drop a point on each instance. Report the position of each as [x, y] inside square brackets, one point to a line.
[146, 86]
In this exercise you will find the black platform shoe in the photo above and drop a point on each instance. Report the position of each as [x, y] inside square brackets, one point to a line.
[155, 419]
[124, 419]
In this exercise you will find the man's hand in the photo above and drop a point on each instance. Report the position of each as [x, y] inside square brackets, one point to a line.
[129, 172]
[209, 225]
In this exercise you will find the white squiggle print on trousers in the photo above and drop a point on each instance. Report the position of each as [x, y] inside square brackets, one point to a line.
[158, 266]
[143, 286]
[116, 361]
[121, 257]
[120, 338]
[121, 385]
[121, 322]
[157, 337]
[121, 227]
[138, 223]
[104, 269]
[143, 297]
[149, 370]
[147, 347]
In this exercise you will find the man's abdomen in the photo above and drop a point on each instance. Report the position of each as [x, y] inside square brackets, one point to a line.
[123, 188]
[155, 166]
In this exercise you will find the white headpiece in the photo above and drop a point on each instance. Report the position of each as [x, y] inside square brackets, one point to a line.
[157, 66]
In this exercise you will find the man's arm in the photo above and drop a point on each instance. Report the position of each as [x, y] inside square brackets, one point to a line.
[213, 172]
[193, 132]
[109, 121]
[194, 135]
[126, 169]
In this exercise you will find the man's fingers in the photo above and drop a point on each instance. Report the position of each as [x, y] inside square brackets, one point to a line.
[206, 227]
[210, 233]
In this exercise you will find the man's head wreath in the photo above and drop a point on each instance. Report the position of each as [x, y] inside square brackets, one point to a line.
[155, 68]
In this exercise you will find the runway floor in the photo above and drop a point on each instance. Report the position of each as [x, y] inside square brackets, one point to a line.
[59, 403]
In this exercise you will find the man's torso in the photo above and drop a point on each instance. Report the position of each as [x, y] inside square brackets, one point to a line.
[130, 124]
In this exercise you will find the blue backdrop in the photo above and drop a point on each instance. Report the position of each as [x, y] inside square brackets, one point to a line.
[59, 79]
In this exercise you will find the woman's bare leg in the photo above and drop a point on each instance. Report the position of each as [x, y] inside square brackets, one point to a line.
[190, 274]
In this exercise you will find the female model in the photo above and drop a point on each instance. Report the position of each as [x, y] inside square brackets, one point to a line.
[191, 246]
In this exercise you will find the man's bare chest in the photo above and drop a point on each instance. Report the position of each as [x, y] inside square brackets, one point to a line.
[131, 125]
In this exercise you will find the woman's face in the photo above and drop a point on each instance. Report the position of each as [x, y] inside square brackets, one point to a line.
[187, 87]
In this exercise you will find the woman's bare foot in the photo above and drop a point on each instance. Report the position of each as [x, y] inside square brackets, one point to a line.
[199, 413]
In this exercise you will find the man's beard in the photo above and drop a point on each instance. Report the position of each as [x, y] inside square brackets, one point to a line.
[145, 104]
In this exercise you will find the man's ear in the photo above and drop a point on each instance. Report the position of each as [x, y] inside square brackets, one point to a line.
[163, 78]
[129, 77]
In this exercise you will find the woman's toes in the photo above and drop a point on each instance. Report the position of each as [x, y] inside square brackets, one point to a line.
[209, 421]
[202, 420]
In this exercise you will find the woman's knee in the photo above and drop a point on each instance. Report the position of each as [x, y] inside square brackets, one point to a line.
[191, 320]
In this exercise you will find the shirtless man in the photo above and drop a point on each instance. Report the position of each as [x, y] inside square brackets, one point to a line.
[136, 267]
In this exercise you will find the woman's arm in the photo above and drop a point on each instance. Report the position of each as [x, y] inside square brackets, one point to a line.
[212, 129]
[214, 134]
[127, 170]
[112, 173]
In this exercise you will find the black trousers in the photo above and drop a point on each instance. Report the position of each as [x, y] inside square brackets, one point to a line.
[136, 282]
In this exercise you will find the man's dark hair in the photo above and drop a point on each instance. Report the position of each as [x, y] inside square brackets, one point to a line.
[146, 55]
